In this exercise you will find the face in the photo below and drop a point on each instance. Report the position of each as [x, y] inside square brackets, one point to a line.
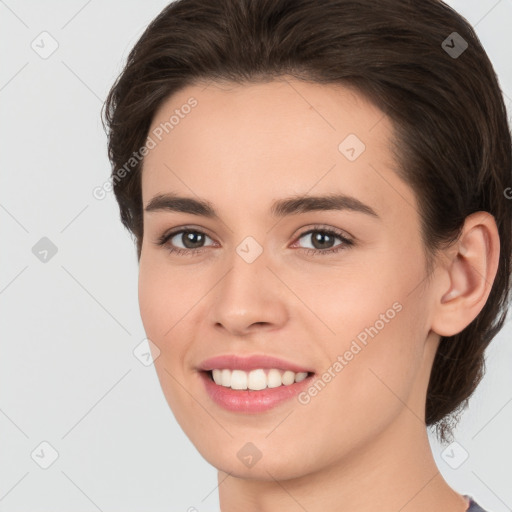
[336, 289]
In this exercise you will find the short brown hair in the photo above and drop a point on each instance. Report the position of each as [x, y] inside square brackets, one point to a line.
[451, 134]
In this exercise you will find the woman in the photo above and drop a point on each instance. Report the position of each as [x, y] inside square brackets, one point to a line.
[318, 194]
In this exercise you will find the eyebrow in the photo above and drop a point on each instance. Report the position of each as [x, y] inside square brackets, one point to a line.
[280, 208]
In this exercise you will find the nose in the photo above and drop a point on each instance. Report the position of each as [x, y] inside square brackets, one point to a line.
[249, 298]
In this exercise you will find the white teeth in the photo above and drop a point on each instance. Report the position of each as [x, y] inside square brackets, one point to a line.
[256, 379]
[217, 376]
[274, 378]
[238, 379]
[226, 378]
[300, 376]
[288, 378]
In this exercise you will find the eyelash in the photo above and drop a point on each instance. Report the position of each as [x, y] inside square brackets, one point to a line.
[163, 240]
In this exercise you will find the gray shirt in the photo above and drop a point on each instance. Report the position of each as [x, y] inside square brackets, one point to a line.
[473, 505]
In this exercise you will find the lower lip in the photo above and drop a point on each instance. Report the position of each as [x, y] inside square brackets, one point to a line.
[248, 401]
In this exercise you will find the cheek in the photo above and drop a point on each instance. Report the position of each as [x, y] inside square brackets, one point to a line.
[345, 299]
[152, 298]
[372, 380]
[166, 297]
[163, 308]
[378, 328]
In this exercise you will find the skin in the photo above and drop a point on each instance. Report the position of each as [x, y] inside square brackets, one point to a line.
[361, 443]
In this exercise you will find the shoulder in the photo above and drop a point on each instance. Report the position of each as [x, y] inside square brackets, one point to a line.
[474, 506]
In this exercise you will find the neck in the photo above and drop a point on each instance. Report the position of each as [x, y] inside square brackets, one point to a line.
[396, 471]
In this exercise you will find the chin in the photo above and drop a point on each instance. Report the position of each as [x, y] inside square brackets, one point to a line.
[257, 461]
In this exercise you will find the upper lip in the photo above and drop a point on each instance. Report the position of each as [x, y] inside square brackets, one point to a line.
[247, 363]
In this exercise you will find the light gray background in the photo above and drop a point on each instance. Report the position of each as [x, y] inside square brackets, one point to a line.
[69, 326]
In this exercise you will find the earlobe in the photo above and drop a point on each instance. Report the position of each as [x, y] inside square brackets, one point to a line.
[471, 271]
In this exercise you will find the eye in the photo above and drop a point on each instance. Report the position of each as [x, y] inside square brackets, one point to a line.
[322, 240]
[190, 238]
[192, 241]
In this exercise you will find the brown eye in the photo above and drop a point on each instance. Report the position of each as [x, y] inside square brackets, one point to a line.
[192, 241]
[322, 241]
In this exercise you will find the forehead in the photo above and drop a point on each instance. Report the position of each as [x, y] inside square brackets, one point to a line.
[258, 142]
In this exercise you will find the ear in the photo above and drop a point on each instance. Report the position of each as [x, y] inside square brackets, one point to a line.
[470, 268]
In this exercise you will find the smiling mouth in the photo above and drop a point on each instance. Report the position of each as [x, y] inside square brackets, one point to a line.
[255, 380]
